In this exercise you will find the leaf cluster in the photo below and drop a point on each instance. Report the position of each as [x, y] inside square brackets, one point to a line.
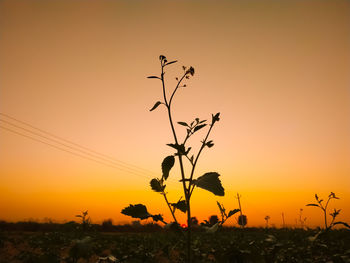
[319, 203]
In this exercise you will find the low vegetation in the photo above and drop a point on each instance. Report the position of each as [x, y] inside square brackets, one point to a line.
[152, 243]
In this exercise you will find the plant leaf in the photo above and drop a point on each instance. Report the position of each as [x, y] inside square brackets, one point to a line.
[198, 127]
[312, 205]
[167, 164]
[136, 211]
[171, 62]
[155, 105]
[215, 117]
[210, 144]
[181, 205]
[157, 218]
[232, 212]
[179, 147]
[156, 185]
[210, 182]
[183, 123]
[222, 210]
[342, 223]
[153, 77]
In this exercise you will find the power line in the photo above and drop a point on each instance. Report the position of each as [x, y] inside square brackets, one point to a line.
[73, 153]
[70, 147]
[92, 154]
[78, 145]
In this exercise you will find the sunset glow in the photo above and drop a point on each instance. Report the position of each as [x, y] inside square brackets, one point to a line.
[277, 71]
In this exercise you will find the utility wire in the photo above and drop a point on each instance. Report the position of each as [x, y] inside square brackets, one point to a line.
[77, 154]
[72, 148]
[92, 155]
[111, 159]
[65, 150]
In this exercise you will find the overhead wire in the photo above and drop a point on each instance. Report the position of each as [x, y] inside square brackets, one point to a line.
[69, 147]
[77, 145]
[74, 148]
[65, 150]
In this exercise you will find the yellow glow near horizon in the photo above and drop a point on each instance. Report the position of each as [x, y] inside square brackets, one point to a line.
[277, 71]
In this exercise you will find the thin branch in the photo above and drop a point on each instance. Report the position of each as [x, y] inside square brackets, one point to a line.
[199, 153]
[171, 210]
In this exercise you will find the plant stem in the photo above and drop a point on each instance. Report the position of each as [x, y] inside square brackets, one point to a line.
[186, 191]
[240, 208]
[171, 210]
[325, 213]
[196, 160]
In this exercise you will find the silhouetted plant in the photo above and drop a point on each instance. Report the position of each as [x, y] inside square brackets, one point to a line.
[301, 219]
[267, 218]
[85, 219]
[209, 181]
[224, 215]
[334, 214]
[283, 222]
[242, 219]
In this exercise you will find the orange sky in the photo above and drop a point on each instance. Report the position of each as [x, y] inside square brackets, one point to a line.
[278, 71]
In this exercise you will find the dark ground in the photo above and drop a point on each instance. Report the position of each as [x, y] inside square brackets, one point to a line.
[150, 243]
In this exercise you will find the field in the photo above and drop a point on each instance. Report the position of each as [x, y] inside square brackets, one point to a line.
[153, 244]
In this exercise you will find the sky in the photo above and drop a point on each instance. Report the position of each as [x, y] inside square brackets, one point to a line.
[277, 71]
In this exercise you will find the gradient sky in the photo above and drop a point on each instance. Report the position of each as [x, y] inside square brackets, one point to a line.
[278, 71]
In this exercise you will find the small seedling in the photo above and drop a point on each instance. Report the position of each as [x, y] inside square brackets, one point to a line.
[334, 214]
[85, 219]
[224, 215]
[301, 219]
[242, 219]
[267, 218]
[283, 222]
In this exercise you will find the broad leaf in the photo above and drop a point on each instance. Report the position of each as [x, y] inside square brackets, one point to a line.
[312, 205]
[179, 147]
[232, 212]
[155, 105]
[181, 205]
[136, 211]
[167, 164]
[156, 185]
[199, 127]
[211, 182]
